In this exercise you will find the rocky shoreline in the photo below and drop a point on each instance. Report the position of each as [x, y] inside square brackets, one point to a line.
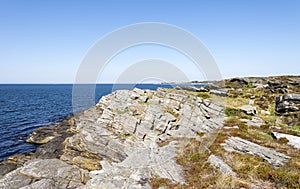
[158, 139]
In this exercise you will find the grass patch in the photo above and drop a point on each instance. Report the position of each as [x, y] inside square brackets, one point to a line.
[233, 112]
[236, 102]
[120, 112]
[123, 136]
[204, 95]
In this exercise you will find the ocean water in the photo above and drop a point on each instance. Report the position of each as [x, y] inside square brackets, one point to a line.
[26, 107]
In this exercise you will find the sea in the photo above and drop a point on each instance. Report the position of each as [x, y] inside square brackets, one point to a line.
[25, 107]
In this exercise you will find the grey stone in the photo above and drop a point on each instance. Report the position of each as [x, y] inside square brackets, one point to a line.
[218, 92]
[143, 160]
[265, 112]
[293, 140]
[42, 184]
[248, 109]
[255, 121]
[276, 159]
[288, 103]
[14, 180]
[217, 162]
[192, 88]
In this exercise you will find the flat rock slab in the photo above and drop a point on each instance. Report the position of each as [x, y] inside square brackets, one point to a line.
[37, 174]
[276, 159]
[217, 162]
[142, 163]
[293, 140]
[255, 121]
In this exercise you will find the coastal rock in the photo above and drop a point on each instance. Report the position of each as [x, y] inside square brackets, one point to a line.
[61, 174]
[218, 92]
[192, 88]
[276, 159]
[142, 162]
[123, 131]
[293, 140]
[217, 162]
[237, 82]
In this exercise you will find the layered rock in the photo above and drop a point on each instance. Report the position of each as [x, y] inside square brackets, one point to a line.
[217, 162]
[293, 140]
[276, 159]
[124, 127]
[49, 173]
[288, 103]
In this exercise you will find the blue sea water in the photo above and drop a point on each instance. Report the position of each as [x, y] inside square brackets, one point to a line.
[26, 107]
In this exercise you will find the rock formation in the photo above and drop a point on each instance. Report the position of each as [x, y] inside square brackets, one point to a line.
[170, 138]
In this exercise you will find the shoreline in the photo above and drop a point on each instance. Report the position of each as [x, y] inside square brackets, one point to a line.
[63, 144]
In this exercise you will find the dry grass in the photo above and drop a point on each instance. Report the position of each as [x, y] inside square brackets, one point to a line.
[251, 170]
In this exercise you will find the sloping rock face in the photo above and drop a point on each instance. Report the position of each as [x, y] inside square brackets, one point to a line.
[123, 130]
[121, 142]
[276, 159]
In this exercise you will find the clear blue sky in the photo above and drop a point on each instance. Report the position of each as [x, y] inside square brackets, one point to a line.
[45, 41]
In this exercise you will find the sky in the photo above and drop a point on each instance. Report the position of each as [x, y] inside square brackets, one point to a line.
[46, 41]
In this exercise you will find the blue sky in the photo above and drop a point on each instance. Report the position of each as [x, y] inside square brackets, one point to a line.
[45, 41]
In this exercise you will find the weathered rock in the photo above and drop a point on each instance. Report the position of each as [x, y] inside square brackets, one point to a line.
[61, 174]
[217, 162]
[288, 103]
[265, 112]
[237, 82]
[142, 162]
[44, 134]
[276, 159]
[15, 180]
[192, 88]
[255, 121]
[6, 168]
[118, 135]
[248, 109]
[293, 140]
[218, 92]
[42, 184]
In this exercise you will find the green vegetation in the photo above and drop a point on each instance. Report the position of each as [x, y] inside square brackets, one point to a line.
[251, 170]
[121, 111]
[204, 95]
[250, 85]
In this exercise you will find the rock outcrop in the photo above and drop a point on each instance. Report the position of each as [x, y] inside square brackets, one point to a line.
[124, 127]
[288, 103]
[293, 140]
[249, 110]
[217, 162]
[116, 143]
[49, 173]
[131, 137]
[276, 159]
